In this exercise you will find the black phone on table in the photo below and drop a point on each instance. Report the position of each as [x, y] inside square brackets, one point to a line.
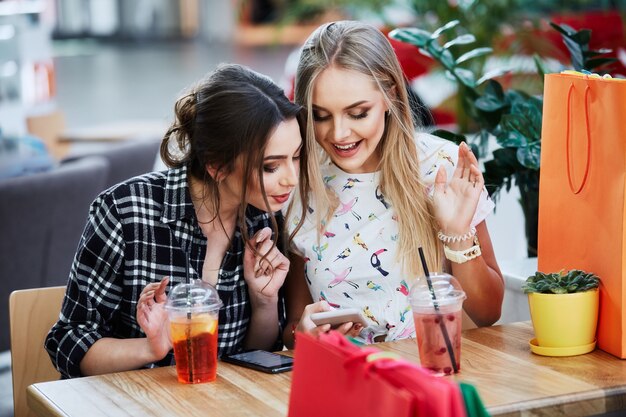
[261, 360]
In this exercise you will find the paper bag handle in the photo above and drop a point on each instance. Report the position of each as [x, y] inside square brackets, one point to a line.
[568, 138]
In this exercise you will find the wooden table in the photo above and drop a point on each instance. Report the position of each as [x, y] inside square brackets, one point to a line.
[497, 360]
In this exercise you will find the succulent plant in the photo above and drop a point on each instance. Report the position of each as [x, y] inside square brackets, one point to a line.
[562, 282]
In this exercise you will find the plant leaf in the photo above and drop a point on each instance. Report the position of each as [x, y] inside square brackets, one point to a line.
[493, 98]
[563, 28]
[511, 139]
[492, 74]
[451, 24]
[414, 36]
[598, 62]
[541, 69]
[499, 170]
[465, 76]
[447, 60]
[451, 136]
[573, 281]
[515, 122]
[474, 53]
[582, 37]
[602, 51]
[489, 103]
[576, 53]
[530, 110]
[530, 155]
[460, 40]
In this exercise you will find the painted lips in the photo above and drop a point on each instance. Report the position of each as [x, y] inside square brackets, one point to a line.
[347, 150]
[281, 199]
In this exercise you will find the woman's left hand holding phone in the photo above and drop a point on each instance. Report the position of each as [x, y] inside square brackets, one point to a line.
[153, 319]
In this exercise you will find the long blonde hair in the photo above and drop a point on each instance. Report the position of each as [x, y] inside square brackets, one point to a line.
[359, 47]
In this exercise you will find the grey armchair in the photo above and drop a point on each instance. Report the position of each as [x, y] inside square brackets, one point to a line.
[42, 217]
[128, 159]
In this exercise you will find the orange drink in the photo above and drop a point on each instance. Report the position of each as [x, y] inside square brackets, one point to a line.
[195, 348]
[193, 311]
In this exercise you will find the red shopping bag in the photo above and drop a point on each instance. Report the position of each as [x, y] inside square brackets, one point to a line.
[332, 376]
[582, 191]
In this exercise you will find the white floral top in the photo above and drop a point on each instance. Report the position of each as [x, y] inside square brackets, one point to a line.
[354, 263]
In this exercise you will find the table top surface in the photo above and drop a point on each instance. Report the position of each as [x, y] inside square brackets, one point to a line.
[511, 380]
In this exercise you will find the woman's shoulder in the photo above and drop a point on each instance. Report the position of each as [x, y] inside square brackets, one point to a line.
[146, 193]
[137, 186]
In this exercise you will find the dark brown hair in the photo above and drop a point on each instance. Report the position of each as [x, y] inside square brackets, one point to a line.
[231, 113]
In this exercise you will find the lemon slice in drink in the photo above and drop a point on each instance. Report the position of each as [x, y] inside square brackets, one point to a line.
[212, 326]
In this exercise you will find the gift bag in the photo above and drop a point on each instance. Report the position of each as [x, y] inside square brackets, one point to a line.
[332, 376]
[582, 199]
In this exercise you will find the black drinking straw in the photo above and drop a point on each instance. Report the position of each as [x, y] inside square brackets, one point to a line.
[442, 325]
[188, 328]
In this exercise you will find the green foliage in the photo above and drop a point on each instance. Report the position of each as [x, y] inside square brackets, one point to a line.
[513, 117]
[573, 281]
[577, 43]
[484, 19]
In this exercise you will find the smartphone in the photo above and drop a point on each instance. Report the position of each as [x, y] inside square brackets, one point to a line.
[339, 316]
[261, 360]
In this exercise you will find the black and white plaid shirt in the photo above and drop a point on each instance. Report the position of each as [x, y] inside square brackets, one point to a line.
[139, 232]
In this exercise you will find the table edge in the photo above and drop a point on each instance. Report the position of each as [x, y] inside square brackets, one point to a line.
[38, 402]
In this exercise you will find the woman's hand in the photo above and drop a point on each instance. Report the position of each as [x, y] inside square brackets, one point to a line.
[455, 203]
[264, 275]
[306, 325]
[152, 318]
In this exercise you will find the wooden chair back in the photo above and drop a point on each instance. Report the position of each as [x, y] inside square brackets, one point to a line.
[32, 313]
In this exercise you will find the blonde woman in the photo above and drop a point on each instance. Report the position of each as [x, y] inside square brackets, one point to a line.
[378, 192]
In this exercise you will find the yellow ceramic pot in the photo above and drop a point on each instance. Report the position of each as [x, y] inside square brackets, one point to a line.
[564, 320]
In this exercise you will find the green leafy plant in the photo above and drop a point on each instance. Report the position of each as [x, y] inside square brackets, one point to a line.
[562, 282]
[513, 117]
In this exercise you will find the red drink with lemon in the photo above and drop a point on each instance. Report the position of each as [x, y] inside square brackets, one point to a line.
[195, 348]
[193, 313]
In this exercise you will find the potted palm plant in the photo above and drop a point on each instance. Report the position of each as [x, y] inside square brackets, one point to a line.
[564, 312]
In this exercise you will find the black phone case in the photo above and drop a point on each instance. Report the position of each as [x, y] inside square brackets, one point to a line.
[274, 369]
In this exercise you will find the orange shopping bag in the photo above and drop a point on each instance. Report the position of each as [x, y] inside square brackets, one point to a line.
[582, 198]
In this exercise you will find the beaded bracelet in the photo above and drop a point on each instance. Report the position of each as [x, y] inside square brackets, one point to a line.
[458, 238]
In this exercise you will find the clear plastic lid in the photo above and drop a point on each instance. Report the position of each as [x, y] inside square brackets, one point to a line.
[445, 287]
[196, 297]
